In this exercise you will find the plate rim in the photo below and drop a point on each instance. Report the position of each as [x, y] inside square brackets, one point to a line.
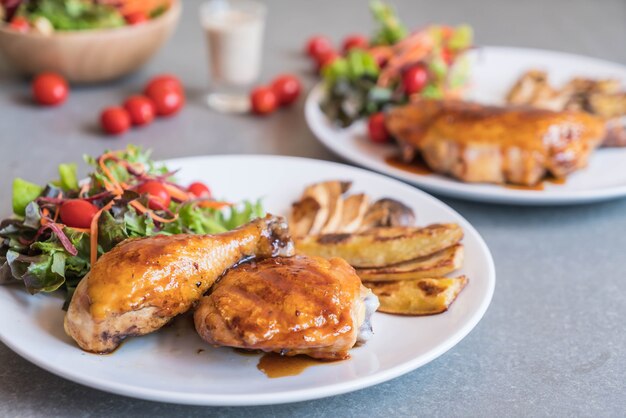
[302, 394]
[458, 189]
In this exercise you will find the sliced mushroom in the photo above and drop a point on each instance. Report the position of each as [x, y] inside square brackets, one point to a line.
[388, 213]
[302, 216]
[328, 195]
[354, 209]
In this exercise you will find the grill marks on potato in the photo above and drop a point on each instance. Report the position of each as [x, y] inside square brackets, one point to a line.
[382, 247]
[427, 296]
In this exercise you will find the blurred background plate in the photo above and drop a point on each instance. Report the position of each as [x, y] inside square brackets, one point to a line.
[494, 71]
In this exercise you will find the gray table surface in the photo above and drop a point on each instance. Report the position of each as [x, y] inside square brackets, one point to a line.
[553, 341]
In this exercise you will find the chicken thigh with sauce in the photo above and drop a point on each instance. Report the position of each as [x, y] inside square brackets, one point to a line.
[298, 305]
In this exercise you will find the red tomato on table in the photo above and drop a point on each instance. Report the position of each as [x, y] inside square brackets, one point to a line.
[115, 120]
[140, 109]
[263, 100]
[318, 45]
[287, 89]
[50, 89]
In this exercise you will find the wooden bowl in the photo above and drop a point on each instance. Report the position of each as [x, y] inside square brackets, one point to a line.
[89, 56]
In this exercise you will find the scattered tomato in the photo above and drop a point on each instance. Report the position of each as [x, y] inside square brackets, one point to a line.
[77, 213]
[163, 81]
[377, 129]
[354, 41]
[318, 45]
[263, 100]
[199, 189]
[326, 58]
[136, 18]
[415, 79]
[287, 89]
[159, 198]
[20, 24]
[140, 109]
[115, 120]
[167, 101]
[49, 89]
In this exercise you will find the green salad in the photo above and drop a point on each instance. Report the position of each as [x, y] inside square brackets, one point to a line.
[47, 16]
[59, 229]
[396, 67]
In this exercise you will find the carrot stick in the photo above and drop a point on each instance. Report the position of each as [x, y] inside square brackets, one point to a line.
[93, 239]
[212, 204]
[142, 209]
[176, 193]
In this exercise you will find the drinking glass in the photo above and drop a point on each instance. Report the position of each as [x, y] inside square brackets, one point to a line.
[233, 30]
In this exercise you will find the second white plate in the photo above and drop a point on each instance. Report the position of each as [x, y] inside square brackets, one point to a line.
[494, 71]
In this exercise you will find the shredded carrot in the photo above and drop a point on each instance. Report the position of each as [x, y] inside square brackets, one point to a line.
[176, 193]
[93, 239]
[142, 209]
[114, 186]
[83, 230]
[45, 216]
[212, 204]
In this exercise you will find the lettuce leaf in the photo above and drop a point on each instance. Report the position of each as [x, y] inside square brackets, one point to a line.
[24, 192]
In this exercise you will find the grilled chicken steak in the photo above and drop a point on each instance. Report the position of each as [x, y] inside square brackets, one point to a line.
[477, 143]
[141, 284]
[297, 305]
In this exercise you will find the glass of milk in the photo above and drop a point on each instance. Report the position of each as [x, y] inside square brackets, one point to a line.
[234, 33]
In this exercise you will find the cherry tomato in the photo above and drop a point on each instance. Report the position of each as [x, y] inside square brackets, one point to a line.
[136, 18]
[354, 41]
[415, 79]
[163, 80]
[263, 100]
[115, 120]
[447, 55]
[159, 196]
[20, 24]
[317, 45]
[377, 129]
[49, 89]
[140, 109]
[77, 213]
[326, 58]
[167, 101]
[287, 89]
[199, 189]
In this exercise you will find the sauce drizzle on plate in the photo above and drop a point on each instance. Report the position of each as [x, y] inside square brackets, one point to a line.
[274, 365]
[416, 166]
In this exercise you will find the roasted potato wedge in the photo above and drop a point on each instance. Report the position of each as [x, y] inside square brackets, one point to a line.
[379, 248]
[428, 296]
[434, 265]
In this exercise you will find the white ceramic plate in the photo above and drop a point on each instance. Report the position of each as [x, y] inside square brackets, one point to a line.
[169, 366]
[494, 72]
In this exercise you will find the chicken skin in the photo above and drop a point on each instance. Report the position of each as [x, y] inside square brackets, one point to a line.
[298, 305]
[476, 143]
[141, 284]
